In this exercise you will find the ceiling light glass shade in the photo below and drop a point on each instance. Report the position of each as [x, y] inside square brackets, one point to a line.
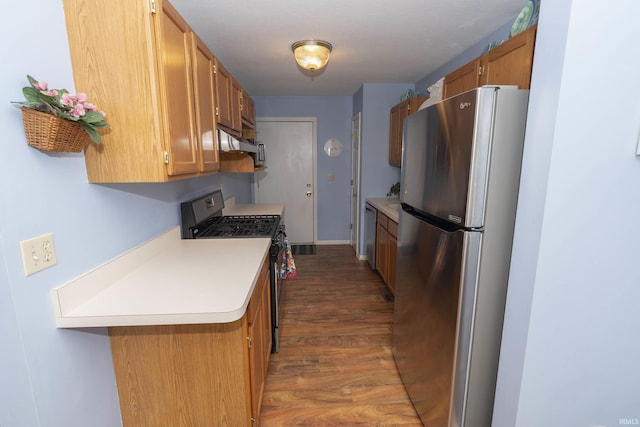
[311, 55]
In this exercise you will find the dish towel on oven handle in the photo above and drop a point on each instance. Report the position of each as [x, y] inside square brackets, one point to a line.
[287, 264]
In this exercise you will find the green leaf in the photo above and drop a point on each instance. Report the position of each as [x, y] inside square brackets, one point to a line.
[95, 136]
[32, 95]
[92, 117]
[100, 125]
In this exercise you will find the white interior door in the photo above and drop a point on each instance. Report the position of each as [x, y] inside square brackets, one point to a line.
[290, 174]
[355, 183]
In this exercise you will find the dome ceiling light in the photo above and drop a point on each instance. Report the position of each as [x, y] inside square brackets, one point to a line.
[311, 55]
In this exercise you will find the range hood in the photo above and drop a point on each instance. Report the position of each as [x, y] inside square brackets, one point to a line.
[229, 143]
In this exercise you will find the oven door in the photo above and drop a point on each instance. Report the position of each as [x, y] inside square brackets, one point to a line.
[277, 287]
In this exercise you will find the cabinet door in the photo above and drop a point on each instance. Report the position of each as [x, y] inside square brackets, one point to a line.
[259, 334]
[382, 251]
[236, 101]
[223, 95]
[206, 131]
[174, 42]
[461, 80]
[256, 360]
[511, 62]
[396, 118]
[395, 134]
[248, 110]
[393, 246]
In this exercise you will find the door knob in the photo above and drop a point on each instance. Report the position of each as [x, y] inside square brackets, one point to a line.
[308, 193]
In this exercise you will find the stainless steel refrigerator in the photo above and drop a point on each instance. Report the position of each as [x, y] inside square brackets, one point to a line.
[459, 188]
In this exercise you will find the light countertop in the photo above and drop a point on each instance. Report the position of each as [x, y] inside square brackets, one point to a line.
[388, 206]
[167, 281]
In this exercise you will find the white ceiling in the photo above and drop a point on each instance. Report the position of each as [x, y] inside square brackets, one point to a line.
[374, 41]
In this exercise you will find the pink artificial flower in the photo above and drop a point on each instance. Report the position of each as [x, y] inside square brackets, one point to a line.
[77, 110]
[89, 106]
[67, 100]
[52, 93]
[40, 85]
[103, 113]
[82, 97]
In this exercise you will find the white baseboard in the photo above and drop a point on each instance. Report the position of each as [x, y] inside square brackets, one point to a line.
[333, 242]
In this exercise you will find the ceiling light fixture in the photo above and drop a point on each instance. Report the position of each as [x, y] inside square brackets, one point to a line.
[311, 55]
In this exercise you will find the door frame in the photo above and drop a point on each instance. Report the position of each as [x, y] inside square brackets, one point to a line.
[314, 162]
[356, 139]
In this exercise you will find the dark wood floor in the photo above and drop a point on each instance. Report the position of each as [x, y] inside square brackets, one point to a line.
[335, 366]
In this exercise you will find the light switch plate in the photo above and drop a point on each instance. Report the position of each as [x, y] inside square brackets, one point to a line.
[38, 253]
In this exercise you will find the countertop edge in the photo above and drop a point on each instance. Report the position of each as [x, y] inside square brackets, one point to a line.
[69, 300]
[388, 206]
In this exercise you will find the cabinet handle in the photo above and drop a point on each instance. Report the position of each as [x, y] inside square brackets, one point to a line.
[480, 70]
[249, 342]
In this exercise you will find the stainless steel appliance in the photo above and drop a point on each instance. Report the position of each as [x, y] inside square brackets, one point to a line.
[370, 218]
[460, 175]
[202, 218]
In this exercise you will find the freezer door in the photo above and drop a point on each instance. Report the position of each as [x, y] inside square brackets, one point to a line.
[446, 155]
[430, 345]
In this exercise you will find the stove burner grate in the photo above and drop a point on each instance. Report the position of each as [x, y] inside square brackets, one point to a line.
[241, 226]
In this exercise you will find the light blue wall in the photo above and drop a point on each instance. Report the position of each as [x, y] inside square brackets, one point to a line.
[570, 346]
[51, 377]
[376, 175]
[333, 114]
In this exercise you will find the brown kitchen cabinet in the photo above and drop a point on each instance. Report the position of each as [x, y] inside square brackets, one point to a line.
[149, 97]
[507, 64]
[195, 375]
[229, 99]
[248, 111]
[224, 105]
[205, 95]
[386, 245]
[396, 117]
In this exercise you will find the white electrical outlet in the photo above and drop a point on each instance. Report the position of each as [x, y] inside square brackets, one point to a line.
[37, 254]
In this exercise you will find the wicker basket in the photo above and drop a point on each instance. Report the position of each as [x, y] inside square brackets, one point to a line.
[50, 133]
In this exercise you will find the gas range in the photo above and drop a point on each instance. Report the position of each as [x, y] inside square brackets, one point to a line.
[202, 219]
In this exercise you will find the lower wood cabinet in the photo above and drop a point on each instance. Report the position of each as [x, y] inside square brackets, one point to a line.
[195, 375]
[386, 245]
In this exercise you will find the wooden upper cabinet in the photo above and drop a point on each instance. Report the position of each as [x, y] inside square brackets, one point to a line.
[236, 102]
[206, 130]
[510, 63]
[461, 80]
[396, 118]
[173, 38]
[247, 109]
[223, 96]
[507, 64]
[143, 79]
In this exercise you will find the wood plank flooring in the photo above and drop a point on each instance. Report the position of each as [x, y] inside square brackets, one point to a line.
[335, 366]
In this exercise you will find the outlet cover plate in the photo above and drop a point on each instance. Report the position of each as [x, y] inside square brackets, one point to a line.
[37, 253]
